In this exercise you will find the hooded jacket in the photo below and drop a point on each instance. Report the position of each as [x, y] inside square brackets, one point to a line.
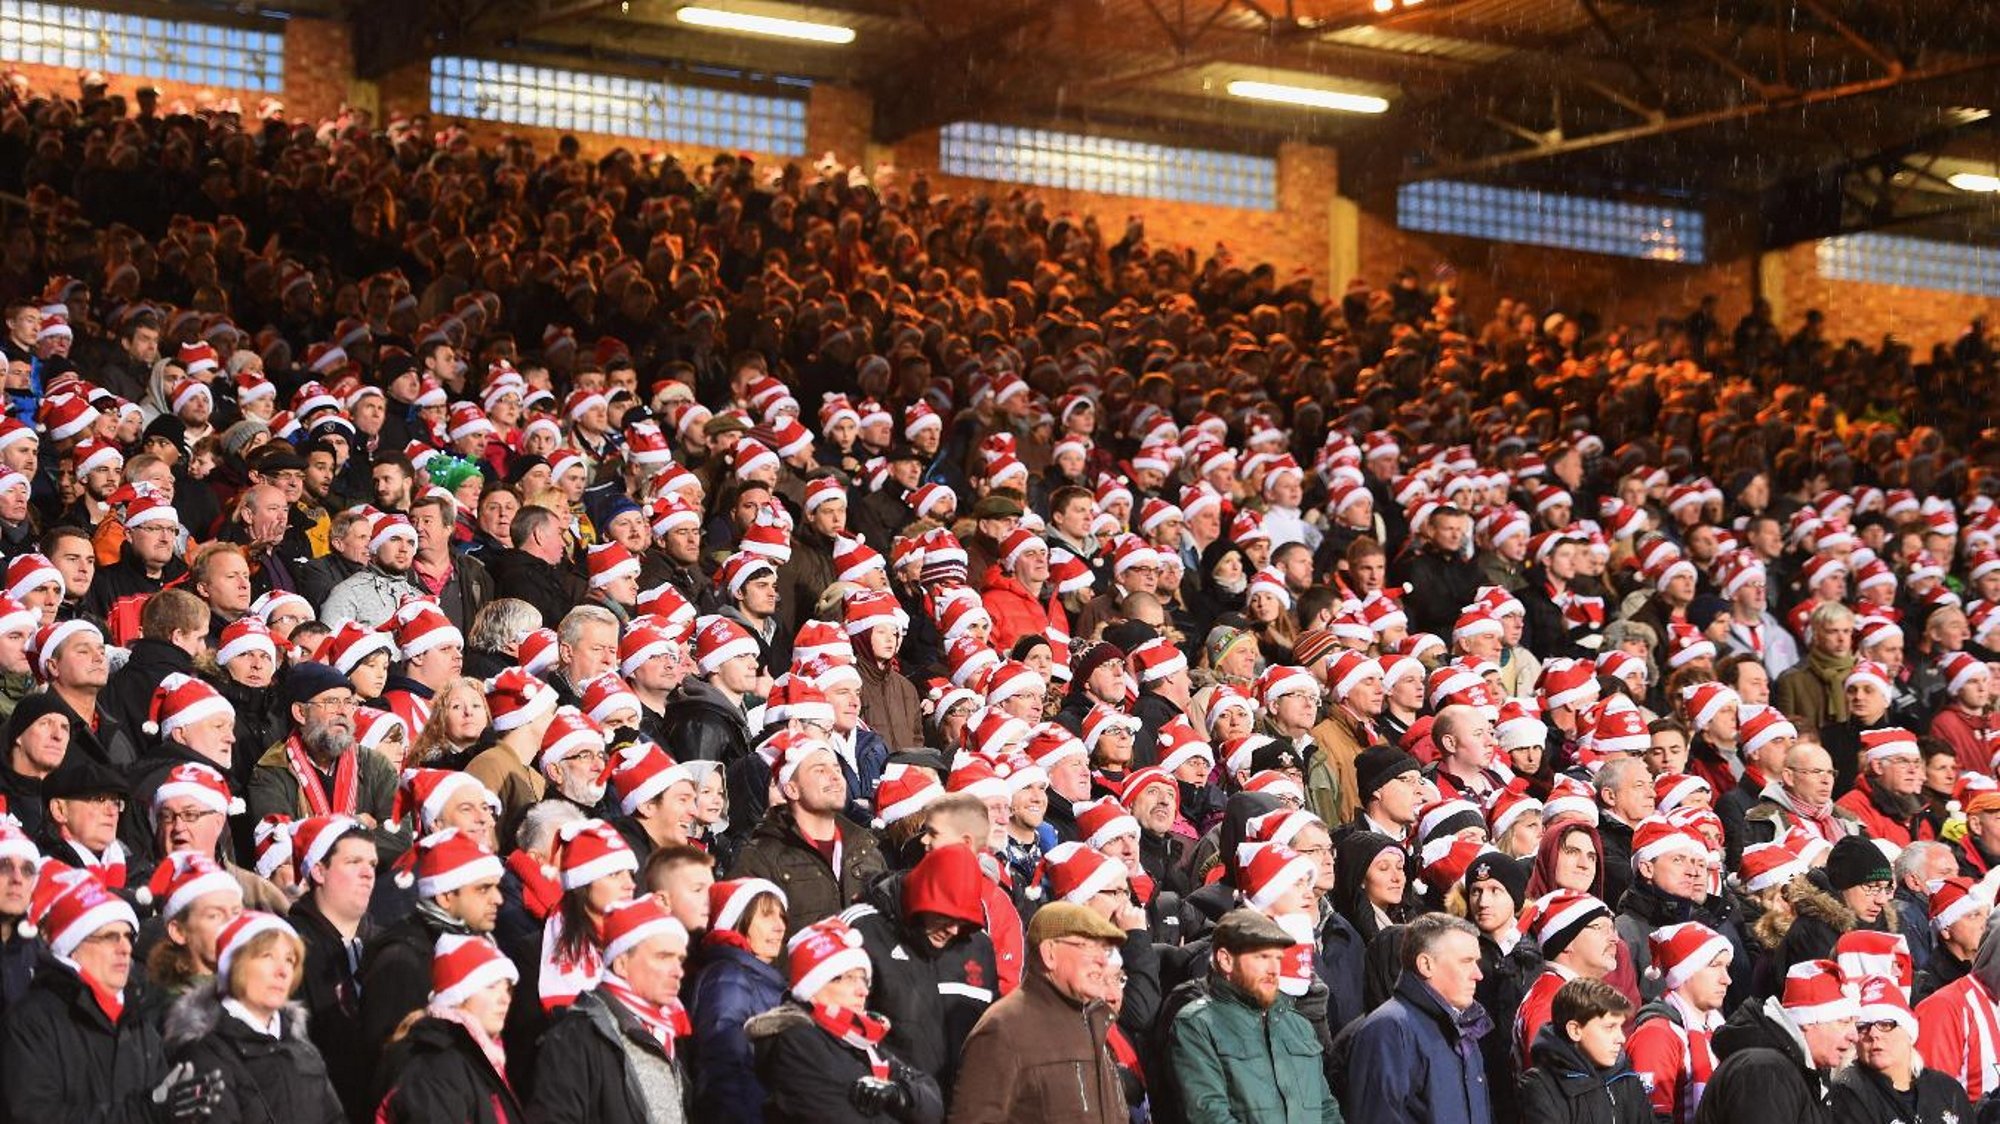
[931, 996]
[265, 1080]
[1764, 1071]
[1564, 1087]
[1863, 1096]
[1819, 919]
[731, 986]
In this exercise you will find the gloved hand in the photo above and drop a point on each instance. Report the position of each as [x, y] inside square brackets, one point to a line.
[187, 1096]
[1954, 828]
[873, 1096]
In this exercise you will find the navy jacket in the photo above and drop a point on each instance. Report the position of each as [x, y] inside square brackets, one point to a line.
[1414, 1062]
[731, 986]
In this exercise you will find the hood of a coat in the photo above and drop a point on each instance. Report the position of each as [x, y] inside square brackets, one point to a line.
[947, 882]
[1762, 1023]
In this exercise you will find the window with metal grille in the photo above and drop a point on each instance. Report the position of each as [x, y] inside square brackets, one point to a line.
[616, 105]
[1108, 165]
[1542, 218]
[199, 54]
[1919, 263]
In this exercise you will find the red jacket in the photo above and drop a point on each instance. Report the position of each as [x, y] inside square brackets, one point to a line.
[1972, 736]
[1015, 611]
[1877, 823]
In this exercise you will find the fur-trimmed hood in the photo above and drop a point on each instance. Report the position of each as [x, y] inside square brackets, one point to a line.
[776, 1021]
[198, 1013]
[1810, 899]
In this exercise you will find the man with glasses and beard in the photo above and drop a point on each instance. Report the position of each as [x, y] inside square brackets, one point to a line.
[316, 771]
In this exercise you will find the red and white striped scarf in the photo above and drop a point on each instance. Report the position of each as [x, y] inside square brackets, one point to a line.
[859, 1029]
[562, 979]
[346, 781]
[109, 866]
[664, 1021]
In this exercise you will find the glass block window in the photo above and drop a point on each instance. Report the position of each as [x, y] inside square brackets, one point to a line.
[1541, 218]
[199, 54]
[1107, 165]
[1919, 263]
[613, 104]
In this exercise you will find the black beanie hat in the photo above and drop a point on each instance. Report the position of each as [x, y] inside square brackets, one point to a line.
[1512, 874]
[1378, 765]
[1855, 861]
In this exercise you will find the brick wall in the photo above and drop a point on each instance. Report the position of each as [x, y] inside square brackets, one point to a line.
[1868, 312]
[319, 65]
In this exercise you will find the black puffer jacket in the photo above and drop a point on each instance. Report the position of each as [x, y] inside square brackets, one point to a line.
[396, 974]
[1863, 1096]
[265, 1080]
[440, 1074]
[1764, 1073]
[62, 1059]
[1565, 1088]
[552, 590]
[582, 1074]
[808, 1074]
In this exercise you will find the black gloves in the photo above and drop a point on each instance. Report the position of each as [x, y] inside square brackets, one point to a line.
[874, 1096]
[186, 1096]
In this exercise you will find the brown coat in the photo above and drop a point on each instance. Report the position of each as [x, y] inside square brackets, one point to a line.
[890, 704]
[1333, 791]
[1038, 1056]
[499, 768]
[779, 852]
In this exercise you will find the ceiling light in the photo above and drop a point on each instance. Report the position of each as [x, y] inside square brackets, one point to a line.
[717, 20]
[1309, 97]
[1974, 181]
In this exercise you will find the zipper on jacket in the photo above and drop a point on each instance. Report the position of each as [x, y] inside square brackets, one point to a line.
[1082, 1094]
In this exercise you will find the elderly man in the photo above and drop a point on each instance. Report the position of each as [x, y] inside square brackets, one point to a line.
[1800, 796]
[1415, 1059]
[1625, 796]
[75, 1048]
[1059, 1017]
[347, 555]
[319, 770]
[1240, 1051]
[610, 1056]
[1887, 797]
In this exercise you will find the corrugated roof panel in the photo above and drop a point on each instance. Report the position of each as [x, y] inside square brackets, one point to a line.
[1416, 43]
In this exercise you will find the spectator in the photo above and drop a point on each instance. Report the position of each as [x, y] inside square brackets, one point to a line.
[1812, 693]
[373, 595]
[333, 861]
[740, 978]
[1672, 1040]
[458, 892]
[1580, 1071]
[452, 1066]
[1957, 917]
[1415, 1057]
[823, 859]
[458, 582]
[533, 569]
[612, 1057]
[1800, 796]
[318, 770]
[1777, 1055]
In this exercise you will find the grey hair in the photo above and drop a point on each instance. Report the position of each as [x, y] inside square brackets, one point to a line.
[1914, 858]
[501, 624]
[571, 628]
[1614, 774]
[1422, 935]
[540, 823]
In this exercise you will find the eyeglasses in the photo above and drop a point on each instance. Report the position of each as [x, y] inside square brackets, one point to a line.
[117, 802]
[348, 703]
[1877, 889]
[169, 819]
[1093, 950]
[1880, 1026]
[109, 937]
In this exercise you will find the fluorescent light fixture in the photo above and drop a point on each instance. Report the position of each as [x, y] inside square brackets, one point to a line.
[1309, 97]
[1974, 181]
[715, 19]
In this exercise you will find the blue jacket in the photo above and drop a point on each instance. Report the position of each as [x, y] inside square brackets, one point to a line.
[871, 755]
[730, 987]
[1414, 1062]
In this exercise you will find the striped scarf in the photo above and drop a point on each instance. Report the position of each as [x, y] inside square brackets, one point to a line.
[664, 1021]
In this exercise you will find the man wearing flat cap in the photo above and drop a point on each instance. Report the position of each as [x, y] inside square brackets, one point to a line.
[1040, 1055]
[1240, 1051]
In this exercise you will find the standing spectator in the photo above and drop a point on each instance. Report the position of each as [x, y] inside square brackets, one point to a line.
[1581, 1073]
[320, 770]
[1813, 692]
[1580, 940]
[1672, 1040]
[1415, 1059]
[334, 861]
[1778, 1054]
[822, 859]
[372, 596]
[1240, 1051]
[458, 582]
[612, 1057]
[452, 1065]
[458, 891]
[739, 977]
[535, 569]
[1888, 1081]
[1958, 1025]
[1057, 1021]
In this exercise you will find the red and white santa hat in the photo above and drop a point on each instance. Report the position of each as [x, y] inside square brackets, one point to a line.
[1013, 678]
[181, 878]
[1266, 871]
[245, 635]
[203, 784]
[516, 698]
[717, 640]
[1815, 992]
[854, 559]
[1520, 725]
[1767, 865]
[16, 617]
[870, 609]
[1872, 674]
[1555, 919]
[1158, 659]
[644, 640]
[1961, 669]
[237, 935]
[1679, 951]
[468, 420]
[587, 850]
[639, 771]
[1704, 702]
[1571, 683]
[444, 861]
[821, 953]
[1889, 743]
[729, 900]
[1506, 806]
[182, 700]
[1758, 725]
[608, 562]
[91, 454]
[1865, 952]
[14, 843]
[1956, 898]
[628, 925]
[1280, 680]
[607, 694]
[350, 643]
[273, 839]
[313, 839]
[1882, 999]
[420, 627]
[1075, 872]
[69, 905]
[427, 791]
[904, 791]
[463, 965]
[388, 528]
[66, 415]
[1102, 820]
[537, 651]
[1671, 790]
[1281, 826]
[1657, 837]
[570, 732]
[1569, 799]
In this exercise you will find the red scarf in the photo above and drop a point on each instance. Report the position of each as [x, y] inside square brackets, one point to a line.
[857, 1029]
[1127, 1057]
[540, 894]
[1578, 610]
[109, 867]
[346, 781]
[112, 1003]
[664, 1021]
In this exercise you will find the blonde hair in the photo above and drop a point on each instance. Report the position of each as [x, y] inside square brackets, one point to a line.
[433, 742]
[258, 945]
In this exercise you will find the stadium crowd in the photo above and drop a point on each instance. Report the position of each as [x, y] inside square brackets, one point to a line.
[494, 635]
